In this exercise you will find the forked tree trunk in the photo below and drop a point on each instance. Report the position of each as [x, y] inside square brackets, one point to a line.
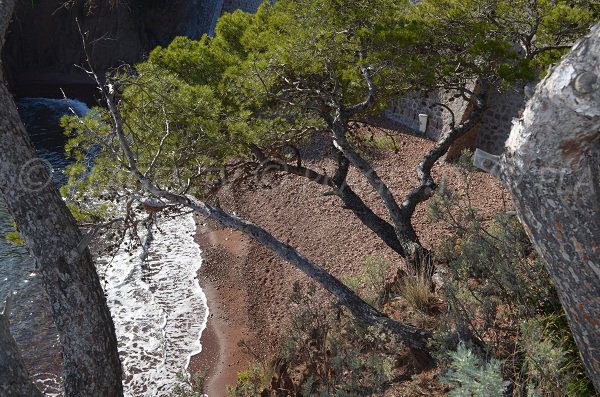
[87, 336]
[552, 168]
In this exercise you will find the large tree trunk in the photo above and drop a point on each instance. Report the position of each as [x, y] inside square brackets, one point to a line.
[552, 169]
[92, 366]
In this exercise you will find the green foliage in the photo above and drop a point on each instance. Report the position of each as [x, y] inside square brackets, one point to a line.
[14, 238]
[494, 281]
[84, 135]
[471, 377]
[192, 386]
[520, 38]
[551, 365]
[332, 354]
[492, 274]
[196, 109]
[206, 61]
[384, 142]
[250, 382]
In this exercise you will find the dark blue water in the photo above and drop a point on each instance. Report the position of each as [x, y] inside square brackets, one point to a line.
[41, 117]
[31, 322]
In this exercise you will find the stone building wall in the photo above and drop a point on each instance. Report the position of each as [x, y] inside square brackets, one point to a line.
[490, 135]
[405, 111]
[496, 121]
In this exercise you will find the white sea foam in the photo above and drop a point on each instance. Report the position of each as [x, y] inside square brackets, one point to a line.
[157, 306]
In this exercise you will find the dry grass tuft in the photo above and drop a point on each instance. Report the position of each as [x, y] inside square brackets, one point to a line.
[418, 292]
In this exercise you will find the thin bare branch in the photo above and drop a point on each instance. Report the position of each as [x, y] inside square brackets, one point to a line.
[161, 145]
[427, 184]
[372, 89]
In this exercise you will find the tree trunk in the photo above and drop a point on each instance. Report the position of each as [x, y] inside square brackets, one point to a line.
[409, 245]
[551, 167]
[14, 379]
[92, 366]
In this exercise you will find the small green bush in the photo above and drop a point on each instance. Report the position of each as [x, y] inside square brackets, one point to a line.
[14, 238]
[191, 386]
[494, 282]
[250, 383]
[417, 291]
[472, 377]
[329, 353]
[550, 362]
[372, 284]
[492, 277]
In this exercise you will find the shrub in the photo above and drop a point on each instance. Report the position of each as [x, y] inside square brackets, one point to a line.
[13, 236]
[250, 382]
[472, 377]
[550, 362]
[372, 284]
[417, 290]
[493, 275]
[191, 386]
[494, 282]
[493, 278]
[327, 353]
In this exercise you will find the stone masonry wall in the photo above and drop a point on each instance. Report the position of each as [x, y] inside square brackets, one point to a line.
[490, 135]
[496, 121]
[405, 111]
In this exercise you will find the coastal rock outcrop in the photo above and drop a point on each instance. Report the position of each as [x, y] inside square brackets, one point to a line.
[44, 44]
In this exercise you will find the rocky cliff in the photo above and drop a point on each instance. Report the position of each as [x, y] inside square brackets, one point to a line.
[43, 44]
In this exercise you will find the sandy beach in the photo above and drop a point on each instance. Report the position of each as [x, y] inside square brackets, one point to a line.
[247, 286]
[223, 252]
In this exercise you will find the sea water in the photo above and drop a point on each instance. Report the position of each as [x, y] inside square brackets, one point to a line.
[158, 308]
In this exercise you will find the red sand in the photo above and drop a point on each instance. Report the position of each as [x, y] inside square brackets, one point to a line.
[247, 286]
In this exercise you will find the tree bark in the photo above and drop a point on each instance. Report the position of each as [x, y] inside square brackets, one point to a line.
[551, 166]
[406, 241]
[87, 336]
[14, 379]
[410, 247]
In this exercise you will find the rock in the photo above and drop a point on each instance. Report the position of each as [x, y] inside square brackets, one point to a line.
[44, 43]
